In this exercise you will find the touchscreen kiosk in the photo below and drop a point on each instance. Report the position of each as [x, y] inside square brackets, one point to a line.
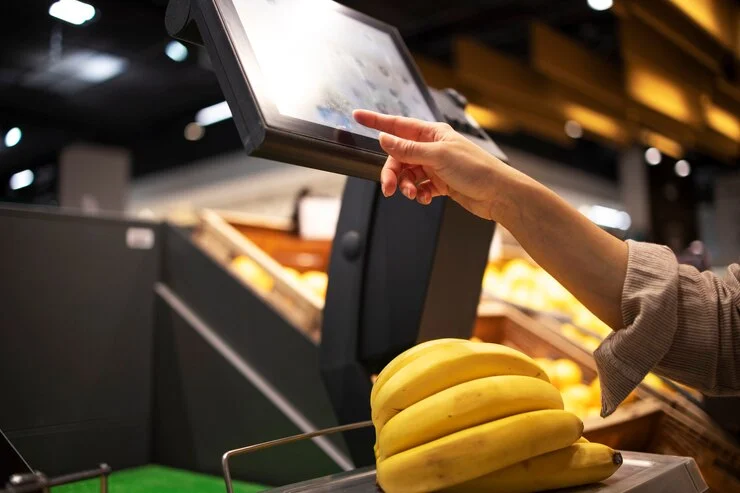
[294, 70]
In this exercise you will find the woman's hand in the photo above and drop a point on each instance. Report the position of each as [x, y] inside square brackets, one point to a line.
[429, 159]
[426, 160]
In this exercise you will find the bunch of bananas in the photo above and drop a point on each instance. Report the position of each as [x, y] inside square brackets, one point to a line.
[464, 416]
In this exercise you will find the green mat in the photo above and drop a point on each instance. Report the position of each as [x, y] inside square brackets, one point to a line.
[159, 479]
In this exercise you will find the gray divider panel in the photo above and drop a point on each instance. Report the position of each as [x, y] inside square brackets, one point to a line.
[76, 306]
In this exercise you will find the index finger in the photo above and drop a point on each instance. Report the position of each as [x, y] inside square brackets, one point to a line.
[400, 126]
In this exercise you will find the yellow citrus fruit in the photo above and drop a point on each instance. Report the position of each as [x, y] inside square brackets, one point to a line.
[593, 412]
[570, 331]
[578, 394]
[565, 372]
[590, 343]
[252, 273]
[595, 388]
[317, 281]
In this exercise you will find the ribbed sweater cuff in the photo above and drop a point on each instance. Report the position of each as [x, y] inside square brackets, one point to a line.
[649, 311]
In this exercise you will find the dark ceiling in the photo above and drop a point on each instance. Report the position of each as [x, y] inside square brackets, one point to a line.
[147, 106]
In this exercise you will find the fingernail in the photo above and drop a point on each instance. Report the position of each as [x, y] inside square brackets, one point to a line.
[407, 192]
[384, 189]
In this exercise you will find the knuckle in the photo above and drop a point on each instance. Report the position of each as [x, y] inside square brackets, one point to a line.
[444, 127]
[409, 147]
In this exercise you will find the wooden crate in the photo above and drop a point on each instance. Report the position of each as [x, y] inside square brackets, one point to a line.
[718, 459]
[291, 298]
[626, 429]
[277, 238]
[677, 398]
[651, 424]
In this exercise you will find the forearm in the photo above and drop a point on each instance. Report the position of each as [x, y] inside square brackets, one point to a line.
[588, 261]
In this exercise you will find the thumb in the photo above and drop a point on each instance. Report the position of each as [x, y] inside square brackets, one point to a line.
[409, 151]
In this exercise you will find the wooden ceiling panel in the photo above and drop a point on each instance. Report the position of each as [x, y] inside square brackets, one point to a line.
[565, 61]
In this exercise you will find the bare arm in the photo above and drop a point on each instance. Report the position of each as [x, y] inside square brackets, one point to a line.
[671, 318]
[431, 159]
[588, 261]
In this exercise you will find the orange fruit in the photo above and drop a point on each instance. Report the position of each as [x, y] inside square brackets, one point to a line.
[595, 388]
[593, 412]
[252, 273]
[565, 373]
[578, 394]
[317, 281]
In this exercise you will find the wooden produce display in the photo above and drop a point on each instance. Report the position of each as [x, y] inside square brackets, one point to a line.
[649, 422]
[287, 272]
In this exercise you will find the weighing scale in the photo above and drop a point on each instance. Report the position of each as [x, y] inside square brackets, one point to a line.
[292, 71]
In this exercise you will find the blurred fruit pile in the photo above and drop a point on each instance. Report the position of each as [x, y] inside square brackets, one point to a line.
[314, 280]
[590, 341]
[580, 398]
[260, 279]
[519, 282]
[253, 274]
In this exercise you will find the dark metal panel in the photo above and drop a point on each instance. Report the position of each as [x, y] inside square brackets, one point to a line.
[461, 256]
[76, 308]
[400, 273]
[346, 378]
[204, 407]
[277, 350]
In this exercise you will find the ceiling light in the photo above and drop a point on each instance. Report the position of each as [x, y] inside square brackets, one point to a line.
[100, 67]
[600, 4]
[176, 51]
[72, 11]
[213, 114]
[682, 168]
[653, 156]
[13, 136]
[573, 129]
[194, 131]
[22, 179]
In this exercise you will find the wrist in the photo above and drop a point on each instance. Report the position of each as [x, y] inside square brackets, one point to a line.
[513, 191]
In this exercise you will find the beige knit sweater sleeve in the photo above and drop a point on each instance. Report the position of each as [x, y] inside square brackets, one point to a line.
[678, 322]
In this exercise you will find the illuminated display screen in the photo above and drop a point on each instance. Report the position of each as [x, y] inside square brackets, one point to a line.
[318, 65]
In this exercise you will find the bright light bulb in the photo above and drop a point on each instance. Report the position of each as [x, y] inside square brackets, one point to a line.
[22, 179]
[176, 51]
[213, 114]
[194, 131]
[13, 136]
[653, 156]
[682, 168]
[600, 4]
[72, 11]
[573, 129]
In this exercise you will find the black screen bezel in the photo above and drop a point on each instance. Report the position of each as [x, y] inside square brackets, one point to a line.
[269, 113]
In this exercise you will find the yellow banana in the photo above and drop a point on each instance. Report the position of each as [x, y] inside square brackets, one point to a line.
[582, 440]
[449, 366]
[473, 452]
[581, 463]
[465, 405]
[405, 358]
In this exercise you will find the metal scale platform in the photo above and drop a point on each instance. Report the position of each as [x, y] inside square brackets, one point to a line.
[639, 473]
